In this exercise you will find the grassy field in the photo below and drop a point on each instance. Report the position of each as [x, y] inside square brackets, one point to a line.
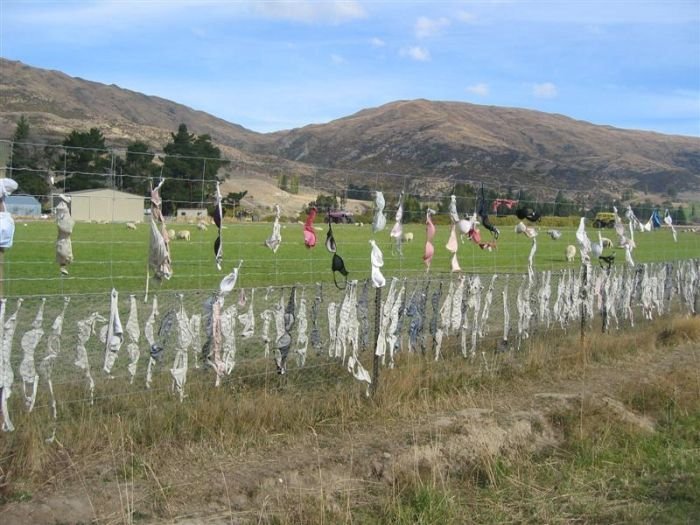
[110, 255]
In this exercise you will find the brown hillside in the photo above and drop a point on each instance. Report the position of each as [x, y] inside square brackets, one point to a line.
[447, 140]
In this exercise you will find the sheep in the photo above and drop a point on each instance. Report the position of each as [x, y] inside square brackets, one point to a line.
[407, 237]
[184, 235]
[130, 226]
[570, 253]
[171, 234]
[202, 227]
[605, 242]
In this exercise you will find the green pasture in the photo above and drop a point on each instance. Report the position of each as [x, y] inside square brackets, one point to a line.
[110, 255]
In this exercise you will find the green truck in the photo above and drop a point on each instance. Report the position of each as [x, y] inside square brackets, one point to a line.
[604, 219]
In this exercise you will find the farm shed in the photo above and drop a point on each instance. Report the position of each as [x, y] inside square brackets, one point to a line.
[106, 205]
[23, 205]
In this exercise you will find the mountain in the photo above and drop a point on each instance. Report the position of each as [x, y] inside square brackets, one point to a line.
[445, 140]
[455, 139]
[55, 104]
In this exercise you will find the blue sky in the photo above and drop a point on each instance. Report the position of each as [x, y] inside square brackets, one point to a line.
[283, 64]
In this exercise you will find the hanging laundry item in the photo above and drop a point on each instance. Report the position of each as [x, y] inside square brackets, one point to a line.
[377, 261]
[531, 261]
[183, 341]
[114, 336]
[302, 327]
[29, 342]
[315, 335]
[452, 247]
[528, 213]
[528, 231]
[554, 234]
[149, 331]
[337, 263]
[363, 317]
[218, 220]
[397, 231]
[86, 328]
[669, 222]
[416, 311]
[133, 335]
[309, 232]
[273, 242]
[228, 339]
[196, 330]
[654, 221]
[452, 209]
[65, 224]
[475, 236]
[53, 345]
[332, 328]
[429, 236]
[346, 331]
[393, 333]
[7, 223]
[159, 255]
[483, 214]
[380, 348]
[583, 241]
[445, 322]
[247, 319]
[435, 304]
[7, 333]
[284, 341]
[379, 222]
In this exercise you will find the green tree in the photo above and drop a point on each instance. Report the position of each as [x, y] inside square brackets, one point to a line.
[24, 164]
[87, 161]
[680, 216]
[134, 170]
[325, 202]
[190, 161]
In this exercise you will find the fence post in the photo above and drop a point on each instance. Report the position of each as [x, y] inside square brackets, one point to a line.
[377, 317]
[583, 294]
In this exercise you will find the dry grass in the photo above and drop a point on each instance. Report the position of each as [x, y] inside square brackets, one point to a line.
[135, 446]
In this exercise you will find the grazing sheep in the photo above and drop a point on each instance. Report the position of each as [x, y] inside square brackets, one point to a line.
[184, 235]
[171, 234]
[407, 237]
[202, 227]
[130, 226]
[554, 234]
[570, 253]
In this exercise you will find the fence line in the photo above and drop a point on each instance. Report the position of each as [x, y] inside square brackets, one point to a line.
[471, 316]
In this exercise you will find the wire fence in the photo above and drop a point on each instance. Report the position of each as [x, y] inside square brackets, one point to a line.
[100, 333]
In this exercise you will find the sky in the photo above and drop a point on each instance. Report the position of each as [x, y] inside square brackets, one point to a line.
[271, 65]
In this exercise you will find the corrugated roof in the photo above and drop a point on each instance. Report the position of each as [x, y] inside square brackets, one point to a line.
[99, 190]
[21, 200]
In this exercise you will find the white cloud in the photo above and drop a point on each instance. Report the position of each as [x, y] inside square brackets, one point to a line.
[466, 17]
[545, 90]
[418, 53]
[480, 89]
[337, 59]
[377, 42]
[427, 27]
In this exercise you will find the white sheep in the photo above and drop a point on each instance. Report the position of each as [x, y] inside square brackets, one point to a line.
[407, 237]
[605, 242]
[184, 235]
[202, 227]
[130, 226]
[171, 234]
[570, 253]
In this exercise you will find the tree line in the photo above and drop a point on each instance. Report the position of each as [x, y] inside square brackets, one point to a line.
[85, 162]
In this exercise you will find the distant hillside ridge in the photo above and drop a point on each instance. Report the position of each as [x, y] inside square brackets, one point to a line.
[507, 147]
